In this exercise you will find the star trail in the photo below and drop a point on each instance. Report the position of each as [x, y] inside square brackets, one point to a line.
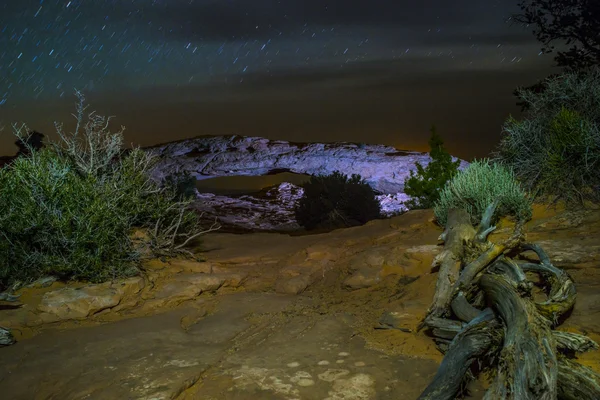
[373, 71]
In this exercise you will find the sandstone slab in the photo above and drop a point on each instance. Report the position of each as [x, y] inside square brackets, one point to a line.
[362, 278]
[293, 285]
[74, 303]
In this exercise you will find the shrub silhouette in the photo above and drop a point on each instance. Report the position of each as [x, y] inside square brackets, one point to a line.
[555, 150]
[480, 184]
[424, 186]
[336, 200]
[33, 141]
[183, 183]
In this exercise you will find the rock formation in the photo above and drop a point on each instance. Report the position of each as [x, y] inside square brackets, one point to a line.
[383, 167]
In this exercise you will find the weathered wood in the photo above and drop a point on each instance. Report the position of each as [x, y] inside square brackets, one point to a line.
[463, 309]
[474, 341]
[562, 292]
[480, 263]
[506, 266]
[569, 342]
[528, 366]
[458, 229]
[9, 297]
[444, 328]
[485, 226]
[566, 342]
[577, 382]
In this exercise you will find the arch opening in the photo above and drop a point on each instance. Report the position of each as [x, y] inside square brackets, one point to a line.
[241, 184]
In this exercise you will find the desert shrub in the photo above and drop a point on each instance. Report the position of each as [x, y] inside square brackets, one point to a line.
[555, 150]
[336, 200]
[424, 187]
[480, 184]
[68, 209]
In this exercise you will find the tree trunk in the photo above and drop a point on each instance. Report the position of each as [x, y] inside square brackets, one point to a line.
[458, 230]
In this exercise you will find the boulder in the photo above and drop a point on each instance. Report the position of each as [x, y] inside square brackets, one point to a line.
[75, 303]
[362, 278]
[185, 287]
[293, 285]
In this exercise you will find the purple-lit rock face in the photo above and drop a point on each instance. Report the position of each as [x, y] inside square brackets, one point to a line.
[383, 167]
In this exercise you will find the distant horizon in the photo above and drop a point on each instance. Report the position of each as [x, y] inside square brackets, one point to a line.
[300, 71]
[483, 132]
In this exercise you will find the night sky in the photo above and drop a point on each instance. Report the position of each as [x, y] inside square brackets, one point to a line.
[375, 71]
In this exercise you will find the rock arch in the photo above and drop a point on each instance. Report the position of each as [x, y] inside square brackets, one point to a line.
[384, 167]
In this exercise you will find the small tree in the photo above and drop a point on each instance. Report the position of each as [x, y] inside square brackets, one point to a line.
[424, 186]
[333, 201]
[576, 22]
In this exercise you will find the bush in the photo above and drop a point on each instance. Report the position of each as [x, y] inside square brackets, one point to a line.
[555, 150]
[67, 210]
[335, 200]
[424, 186]
[477, 187]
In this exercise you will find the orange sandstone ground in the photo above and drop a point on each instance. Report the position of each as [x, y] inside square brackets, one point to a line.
[269, 316]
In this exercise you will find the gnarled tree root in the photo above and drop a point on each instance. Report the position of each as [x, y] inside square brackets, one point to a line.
[528, 366]
[515, 336]
[475, 340]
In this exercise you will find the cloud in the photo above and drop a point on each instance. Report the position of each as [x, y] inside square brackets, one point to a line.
[261, 19]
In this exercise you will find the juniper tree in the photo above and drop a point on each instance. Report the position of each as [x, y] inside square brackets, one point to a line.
[424, 187]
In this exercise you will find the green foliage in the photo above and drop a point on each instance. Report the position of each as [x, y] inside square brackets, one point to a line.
[65, 215]
[335, 200]
[424, 186]
[555, 149]
[480, 184]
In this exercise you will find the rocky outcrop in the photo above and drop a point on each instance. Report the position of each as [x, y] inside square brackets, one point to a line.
[383, 167]
[74, 303]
